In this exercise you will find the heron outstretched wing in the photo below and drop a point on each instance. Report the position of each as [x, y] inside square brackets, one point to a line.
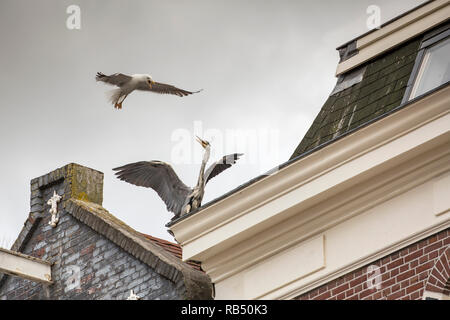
[116, 79]
[159, 176]
[224, 163]
[163, 88]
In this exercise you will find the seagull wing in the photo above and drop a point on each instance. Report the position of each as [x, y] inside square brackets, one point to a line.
[116, 79]
[221, 165]
[160, 177]
[163, 88]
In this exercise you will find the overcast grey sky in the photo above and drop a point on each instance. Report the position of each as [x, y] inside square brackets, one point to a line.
[266, 68]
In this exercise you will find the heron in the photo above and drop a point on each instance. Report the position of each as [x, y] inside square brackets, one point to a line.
[128, 84]
[160, 176]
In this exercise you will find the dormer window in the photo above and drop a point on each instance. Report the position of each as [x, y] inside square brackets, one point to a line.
[432, 67]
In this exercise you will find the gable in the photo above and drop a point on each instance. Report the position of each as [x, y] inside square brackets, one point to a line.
[85, 266]
[93, 254]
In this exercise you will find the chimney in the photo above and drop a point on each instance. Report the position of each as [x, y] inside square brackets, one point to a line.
[71, 181]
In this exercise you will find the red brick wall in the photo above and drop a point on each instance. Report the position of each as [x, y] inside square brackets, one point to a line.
[401, 275]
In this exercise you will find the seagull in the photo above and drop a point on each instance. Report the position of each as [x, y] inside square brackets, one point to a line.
[128, 84]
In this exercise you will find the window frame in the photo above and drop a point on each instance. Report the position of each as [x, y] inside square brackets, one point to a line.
[428, 40]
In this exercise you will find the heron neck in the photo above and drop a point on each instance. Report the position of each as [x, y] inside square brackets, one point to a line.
[202, 167]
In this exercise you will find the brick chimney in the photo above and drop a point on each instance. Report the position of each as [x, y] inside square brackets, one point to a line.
[71, 181]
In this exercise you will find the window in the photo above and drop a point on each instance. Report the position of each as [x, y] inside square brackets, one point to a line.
[432, 67]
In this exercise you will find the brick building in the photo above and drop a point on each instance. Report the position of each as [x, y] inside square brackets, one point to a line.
[89, 253]
[361, 210]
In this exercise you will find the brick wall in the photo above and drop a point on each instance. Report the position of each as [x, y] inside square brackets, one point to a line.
[401, 275]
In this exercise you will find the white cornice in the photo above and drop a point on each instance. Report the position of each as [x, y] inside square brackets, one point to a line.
[329, 213]
[309, 197]
[316, 165]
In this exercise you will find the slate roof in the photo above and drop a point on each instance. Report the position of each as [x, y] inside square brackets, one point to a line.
[381, 89]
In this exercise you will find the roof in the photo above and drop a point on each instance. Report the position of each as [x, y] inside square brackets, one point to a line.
[174, 249]
[380, 89]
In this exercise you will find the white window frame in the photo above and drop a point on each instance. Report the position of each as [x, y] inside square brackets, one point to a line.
[429, 40]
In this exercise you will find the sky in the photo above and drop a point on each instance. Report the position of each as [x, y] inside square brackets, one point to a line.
[265, 67]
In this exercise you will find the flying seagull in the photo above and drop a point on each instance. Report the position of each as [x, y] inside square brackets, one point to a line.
[128, 84]
[179, 198]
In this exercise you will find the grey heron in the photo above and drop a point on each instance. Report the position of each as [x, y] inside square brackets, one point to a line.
[128, 84]
[160, 176]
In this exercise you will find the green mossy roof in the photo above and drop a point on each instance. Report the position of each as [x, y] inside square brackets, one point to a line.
[381, 90]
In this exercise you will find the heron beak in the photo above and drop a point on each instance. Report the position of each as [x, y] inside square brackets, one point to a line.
[202, 142]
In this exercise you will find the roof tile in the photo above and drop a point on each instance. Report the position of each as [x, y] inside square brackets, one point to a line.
[174, 249]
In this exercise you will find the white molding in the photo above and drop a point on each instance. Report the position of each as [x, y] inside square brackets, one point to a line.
[396, 33]
[441, 197]
[24, 266]
[293, 293]
[339, 186]
[319, 218]
[298, 262]
[304, 171]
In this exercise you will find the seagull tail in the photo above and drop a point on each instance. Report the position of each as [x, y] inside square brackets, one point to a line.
[114, 95]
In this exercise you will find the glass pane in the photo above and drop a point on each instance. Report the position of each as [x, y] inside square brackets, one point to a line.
[435, 68]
